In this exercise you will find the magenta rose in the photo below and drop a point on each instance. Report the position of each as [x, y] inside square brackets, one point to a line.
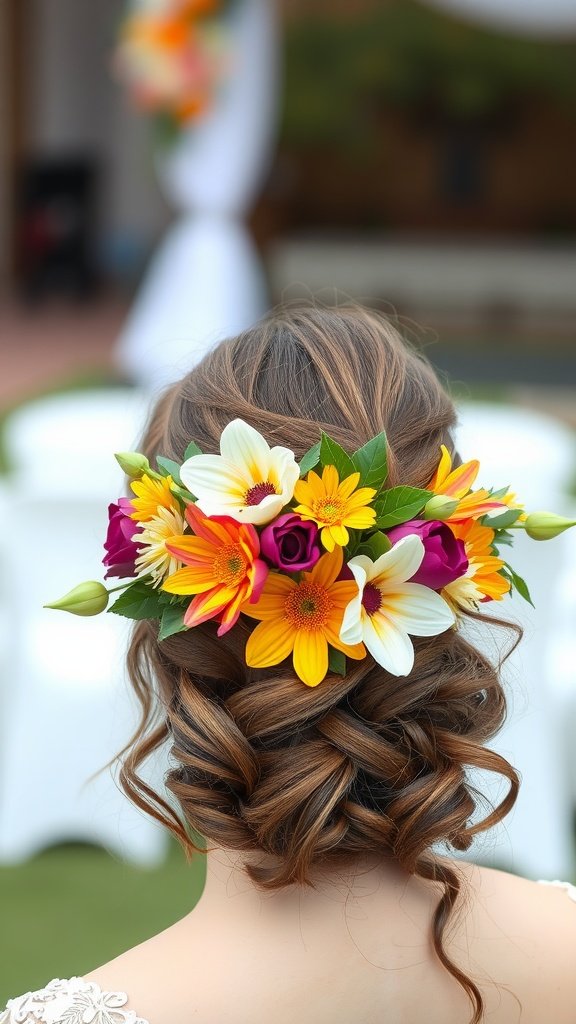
[290, 543]
[444, 555]
[120, 546]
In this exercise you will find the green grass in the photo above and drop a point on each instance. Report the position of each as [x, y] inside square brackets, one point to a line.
[75, 907]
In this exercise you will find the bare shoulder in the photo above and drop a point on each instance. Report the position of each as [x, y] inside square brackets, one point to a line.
[523, 934]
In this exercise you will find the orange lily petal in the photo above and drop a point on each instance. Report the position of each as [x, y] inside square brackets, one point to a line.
[189, 581]
[192, 550]
[208, 605]
[209, 529]
[444, 467]
[232, 611]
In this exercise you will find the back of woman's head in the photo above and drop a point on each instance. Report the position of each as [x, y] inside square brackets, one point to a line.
[368, 764]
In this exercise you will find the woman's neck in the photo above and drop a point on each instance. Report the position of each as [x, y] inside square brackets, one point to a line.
[229, 887]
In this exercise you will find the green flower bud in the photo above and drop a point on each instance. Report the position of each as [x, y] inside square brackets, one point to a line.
[440, 506]
[545, 525]
[134, 464]
[89, 598]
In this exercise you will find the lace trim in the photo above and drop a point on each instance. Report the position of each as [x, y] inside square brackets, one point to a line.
[70, 1001]
[570, 889]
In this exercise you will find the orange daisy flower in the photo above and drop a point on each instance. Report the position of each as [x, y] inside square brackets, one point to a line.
[221, 567]
[334, 505]
[302, 619]
[483, 580]
[456, 483]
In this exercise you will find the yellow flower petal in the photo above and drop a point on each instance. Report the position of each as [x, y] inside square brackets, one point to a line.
[361, 519]
[355, 651]
[269, 644]
[348, 485]
[340, 535]
[327, 568]
[330, 479]
[310, 656]
[444, 467]
[327, 539]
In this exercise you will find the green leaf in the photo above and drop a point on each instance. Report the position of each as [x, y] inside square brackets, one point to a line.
[182, 493]
[172, 621]
[310, 460]
[169, 468]
[191, 450]
[518, 583]
[501, 520]
[371, 461]
[503, 538]
[138, 601]
[352, 545]
[375, 545]
[500, 492]
[336, 661]
[331, 454]
[398, 505]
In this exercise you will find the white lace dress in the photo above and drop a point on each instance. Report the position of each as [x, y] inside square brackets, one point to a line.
[75, 1001]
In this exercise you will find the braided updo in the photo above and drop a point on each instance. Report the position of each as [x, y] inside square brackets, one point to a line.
[366, 764]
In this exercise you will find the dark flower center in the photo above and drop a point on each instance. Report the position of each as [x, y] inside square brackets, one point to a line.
[371, 598]
[257, 493]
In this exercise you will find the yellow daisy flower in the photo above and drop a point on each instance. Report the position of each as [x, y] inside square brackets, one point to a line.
[334, 505]
[302, 619]
[150, 496]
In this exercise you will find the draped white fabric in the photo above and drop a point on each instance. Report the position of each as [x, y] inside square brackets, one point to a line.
[206, 281]
[533, 17]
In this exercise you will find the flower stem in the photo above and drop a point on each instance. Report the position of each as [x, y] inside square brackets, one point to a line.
[121, 586]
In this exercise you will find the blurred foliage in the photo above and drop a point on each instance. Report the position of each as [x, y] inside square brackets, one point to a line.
[340, 71]
[75, 907]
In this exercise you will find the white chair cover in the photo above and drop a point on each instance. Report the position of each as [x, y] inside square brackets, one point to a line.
[66, 707]
[535, 454]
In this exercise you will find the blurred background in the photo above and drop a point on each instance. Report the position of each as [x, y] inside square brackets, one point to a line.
[419, 157]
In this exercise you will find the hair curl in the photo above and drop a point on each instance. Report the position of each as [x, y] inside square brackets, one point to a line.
[369, 764]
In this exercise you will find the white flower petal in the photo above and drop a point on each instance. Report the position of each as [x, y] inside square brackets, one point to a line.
[213, 478]
[365, 564]
[245, 448]
[266, 510]
[351, 628]
[283, 472]
[399, 564]
[416, 609]
[388, 645]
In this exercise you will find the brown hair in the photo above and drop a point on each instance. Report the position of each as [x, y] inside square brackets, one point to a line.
[366, 764]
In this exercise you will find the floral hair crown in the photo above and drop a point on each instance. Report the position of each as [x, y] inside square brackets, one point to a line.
[328, 561]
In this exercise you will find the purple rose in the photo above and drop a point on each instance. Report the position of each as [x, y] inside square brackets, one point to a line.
[290, 543]
[444, 555]
[121, 549]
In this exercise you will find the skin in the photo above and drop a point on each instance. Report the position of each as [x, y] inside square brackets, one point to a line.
[355, 950]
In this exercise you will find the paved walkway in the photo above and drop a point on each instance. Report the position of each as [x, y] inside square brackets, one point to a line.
[51, 345]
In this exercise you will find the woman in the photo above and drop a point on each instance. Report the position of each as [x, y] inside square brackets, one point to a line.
[322, 791]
